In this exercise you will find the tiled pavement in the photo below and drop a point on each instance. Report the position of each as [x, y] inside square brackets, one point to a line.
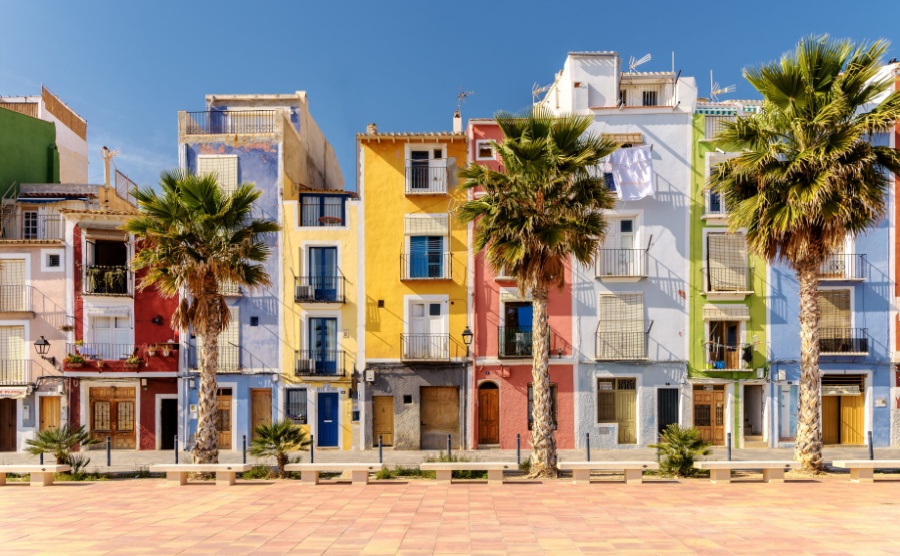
[822, 516]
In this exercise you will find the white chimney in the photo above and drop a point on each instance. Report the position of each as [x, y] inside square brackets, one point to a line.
[457, 122]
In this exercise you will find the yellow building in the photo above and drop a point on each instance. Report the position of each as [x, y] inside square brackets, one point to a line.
[320, 325]
[416, 300]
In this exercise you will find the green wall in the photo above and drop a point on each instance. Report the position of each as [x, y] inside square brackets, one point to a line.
[28, 151]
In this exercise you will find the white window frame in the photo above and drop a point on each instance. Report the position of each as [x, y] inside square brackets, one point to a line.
[45, 259]
[644, 321]
[742, 340]
[479, 144]
[714, 218]
[613, 218]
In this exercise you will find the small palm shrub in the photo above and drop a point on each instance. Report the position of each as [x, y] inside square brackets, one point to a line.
[258, 472]
[679, 448]
[59, 441]
[276, 440]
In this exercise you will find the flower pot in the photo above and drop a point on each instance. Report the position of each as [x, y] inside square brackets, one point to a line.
[132, 365]
[74, 365]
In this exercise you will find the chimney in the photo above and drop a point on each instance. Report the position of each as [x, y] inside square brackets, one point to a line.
[457, 122]
[371, 129]
[104, 154]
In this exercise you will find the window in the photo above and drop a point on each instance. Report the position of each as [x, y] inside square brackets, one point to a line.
[53, 261]
[554, 395]
[726, 263]
[229, 344]
[323, 351]
[619, 256]
[620, 332]
[616, 403]
[649, 98]
[484, 150]
[724, 348]
[124, 416]
[714, 204]
[106, 271]
[13, 356]
[322, 210]
[111, 338]
[623, 97]
[426, 171]
[426, 256]
[835, 322]
[13, 293]
[224, 167]
[29, 225]
[295, 405]
[101, 417]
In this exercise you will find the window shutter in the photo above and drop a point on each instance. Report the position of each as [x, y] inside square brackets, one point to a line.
[13, 295]
[224, 167]
[12, 343]
[726, 262]
[621, 329]
[229, 343]
[834, 309]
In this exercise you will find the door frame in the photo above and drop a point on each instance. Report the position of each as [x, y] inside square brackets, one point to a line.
[478, 405]
[158, 410]
[234, 420]
[85, 410]
[312, 409]
[868, 401]
[37, 408]
[766, 416]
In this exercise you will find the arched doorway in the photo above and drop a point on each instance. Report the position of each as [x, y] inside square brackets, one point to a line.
[488, 413]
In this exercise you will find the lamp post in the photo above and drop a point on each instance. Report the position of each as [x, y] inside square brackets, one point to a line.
[467, 336]
[42, 346]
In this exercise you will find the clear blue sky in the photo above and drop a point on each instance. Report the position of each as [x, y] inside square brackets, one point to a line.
[128, 67]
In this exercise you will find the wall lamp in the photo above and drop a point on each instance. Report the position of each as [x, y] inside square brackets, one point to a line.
[157, 320]
[467, 337]
[42, 346]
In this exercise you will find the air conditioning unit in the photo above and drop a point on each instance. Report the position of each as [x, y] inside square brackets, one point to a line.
[306, 366]
[370, 376]
[305, 292]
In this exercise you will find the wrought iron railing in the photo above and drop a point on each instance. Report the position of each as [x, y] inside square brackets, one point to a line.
[319, 289]
[426, 177]
[425, 266]
[15, 372]
[728, 279]
[229, 358]
[319, 362]
[107, 280]
[103, 351]
[31, 225]
[837, 341]
[842, 266]
[15, 299]
[212, 122]
[514, 341]
[621, 346]
[230, 289]
[622, 263]
[425, 347]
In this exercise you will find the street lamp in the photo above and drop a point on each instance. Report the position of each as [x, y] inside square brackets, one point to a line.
[467, 336]
[42, 346]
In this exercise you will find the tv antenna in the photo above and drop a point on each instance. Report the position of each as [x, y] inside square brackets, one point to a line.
[460, 97]
[633, 64]
[536, 90]
[715, 89]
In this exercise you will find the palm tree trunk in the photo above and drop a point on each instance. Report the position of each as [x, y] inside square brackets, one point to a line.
[206, 445]
[543, 441]
[808, 444]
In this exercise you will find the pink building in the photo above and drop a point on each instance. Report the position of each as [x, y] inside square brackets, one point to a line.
[502, 346]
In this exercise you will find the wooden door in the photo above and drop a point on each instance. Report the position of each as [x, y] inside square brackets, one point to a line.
[260, 408]
[383, 420]
[49, 412]
[223, 418]
[626, 408]
[831, 428]
[439, 417]
[709, 415]
[113, 415]
[852, 419]
[488, 414]
[7, 425]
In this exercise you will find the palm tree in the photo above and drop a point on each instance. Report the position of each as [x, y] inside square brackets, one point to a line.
[193, 237]
[808, 176]
[543, 208]
[278, 439]
[59, 441]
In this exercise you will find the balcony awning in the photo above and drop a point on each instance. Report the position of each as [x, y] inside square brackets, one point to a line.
[117, 311]
[726, 312]
[636, 138]
[13, 392]
[426, 224]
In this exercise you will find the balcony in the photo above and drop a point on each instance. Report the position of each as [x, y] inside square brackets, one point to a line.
[318, 363]
[621, 346]
[426, 177]
[15, 372]
[217, 122]
[107, 280]
[32, 226]
[514, 342]
[726, 357]
[106, 357]
[727, 283]
[621, 264]
[844, 341]
[319, 289]
[425, 347]
[635, 93]
[230, 289]
[842, 266]
[425, 266]
[229, 359]
[322, 210]
[16, 302]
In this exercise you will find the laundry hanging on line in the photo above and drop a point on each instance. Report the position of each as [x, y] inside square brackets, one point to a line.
[632, 170]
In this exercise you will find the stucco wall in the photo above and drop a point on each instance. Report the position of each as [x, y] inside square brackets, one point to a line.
[149, 414]
[27, 150]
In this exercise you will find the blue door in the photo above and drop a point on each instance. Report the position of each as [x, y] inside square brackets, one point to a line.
[328, 420]
[323, 273]
[323, 345]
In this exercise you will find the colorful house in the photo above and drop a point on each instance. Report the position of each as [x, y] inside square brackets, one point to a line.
[273, 142]
[501, 407]
[414, 298]
[630, 309]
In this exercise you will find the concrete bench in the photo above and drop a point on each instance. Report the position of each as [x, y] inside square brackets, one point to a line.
[40, 475]
[720, 471]
[634, 470]
[359, 472]
[176, 474]
[443, 471]
[863, 470]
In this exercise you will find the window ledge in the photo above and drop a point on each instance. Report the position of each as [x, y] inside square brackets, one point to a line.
[727, 296]
[607, 278]
[715, 219]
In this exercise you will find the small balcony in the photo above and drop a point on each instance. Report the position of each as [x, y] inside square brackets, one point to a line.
[32, 226]
[115, 280]
[425, 347]
[106, 357]
[727, 282]
[844, 341]
[229, 359]
[726, 357]
[16, 302]
[842, 267]
[621, 346]
[621, 264]
[319, 363]
[514, 342]
[425, 266]
[426, 177]
[15, 372]
[229, 122]
[319, 289]
[230, 289]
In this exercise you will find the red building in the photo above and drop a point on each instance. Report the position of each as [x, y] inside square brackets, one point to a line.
[502, 345]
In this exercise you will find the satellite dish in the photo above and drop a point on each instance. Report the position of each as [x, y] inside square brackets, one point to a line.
[633, 64]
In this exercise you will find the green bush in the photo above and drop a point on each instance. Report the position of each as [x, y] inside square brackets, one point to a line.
[59, 441]
[384, 474]
[142, 472]
[449, 458]
[525, 466]
[679, 447]
[258, 472]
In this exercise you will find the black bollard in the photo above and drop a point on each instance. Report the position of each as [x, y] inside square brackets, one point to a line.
[244, 447]
[518, 449]
[380, 458]
[108, 452]
[587, 438]
[312, 448]
[658, 442]
[871, 447]
[176, 449]
[448, 445]
[42, 458]
[728, 445]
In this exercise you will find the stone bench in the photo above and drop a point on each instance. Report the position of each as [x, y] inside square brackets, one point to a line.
[41, 475]
[634, 470]
[720, 471]
[863, 470]
[359, 472]
[443, 471]
[176, 473]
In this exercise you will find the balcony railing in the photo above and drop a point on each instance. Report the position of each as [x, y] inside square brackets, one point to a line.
[107, 280]
[29, 225]
[230, 289]
[514, 341]
[725, 357]
[622, 263]
[15, 372]
[621, 346]
[646, 94]
[213, 122]
[321, 211]
[734, 279]
[425, 347]
[102, 351]
[319, 362]
[319, 289]
[842, 266]
[843, 341]
[425, 266]
[15, 299]
[229, 358]
[426, 177]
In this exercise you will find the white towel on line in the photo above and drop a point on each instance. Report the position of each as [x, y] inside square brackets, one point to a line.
[632, 170]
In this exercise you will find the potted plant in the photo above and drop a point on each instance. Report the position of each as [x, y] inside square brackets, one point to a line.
[133, 362]
[74, 360]
[78, 344]
[151, 349]
[166, 350]
[99, 363]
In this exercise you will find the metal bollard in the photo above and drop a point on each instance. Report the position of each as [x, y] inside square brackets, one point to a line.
[658, 442]
[176, 449]
[728, 445]
[108, 452]
[312, 448]
[244, 447]
[449, 437]
[380, 458]
[42, 458]
[871, 447]
[518, 449]
[587, 438]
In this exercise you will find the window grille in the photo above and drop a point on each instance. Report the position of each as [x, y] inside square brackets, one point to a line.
[295, 405]
[620, 334]
[726, 266]
[224, 167]
[101, 417]
[125, 416]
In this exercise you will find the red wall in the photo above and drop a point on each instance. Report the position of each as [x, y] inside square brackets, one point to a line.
[148, 408]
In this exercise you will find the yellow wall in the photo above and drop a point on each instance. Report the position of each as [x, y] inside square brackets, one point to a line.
[385, 205]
